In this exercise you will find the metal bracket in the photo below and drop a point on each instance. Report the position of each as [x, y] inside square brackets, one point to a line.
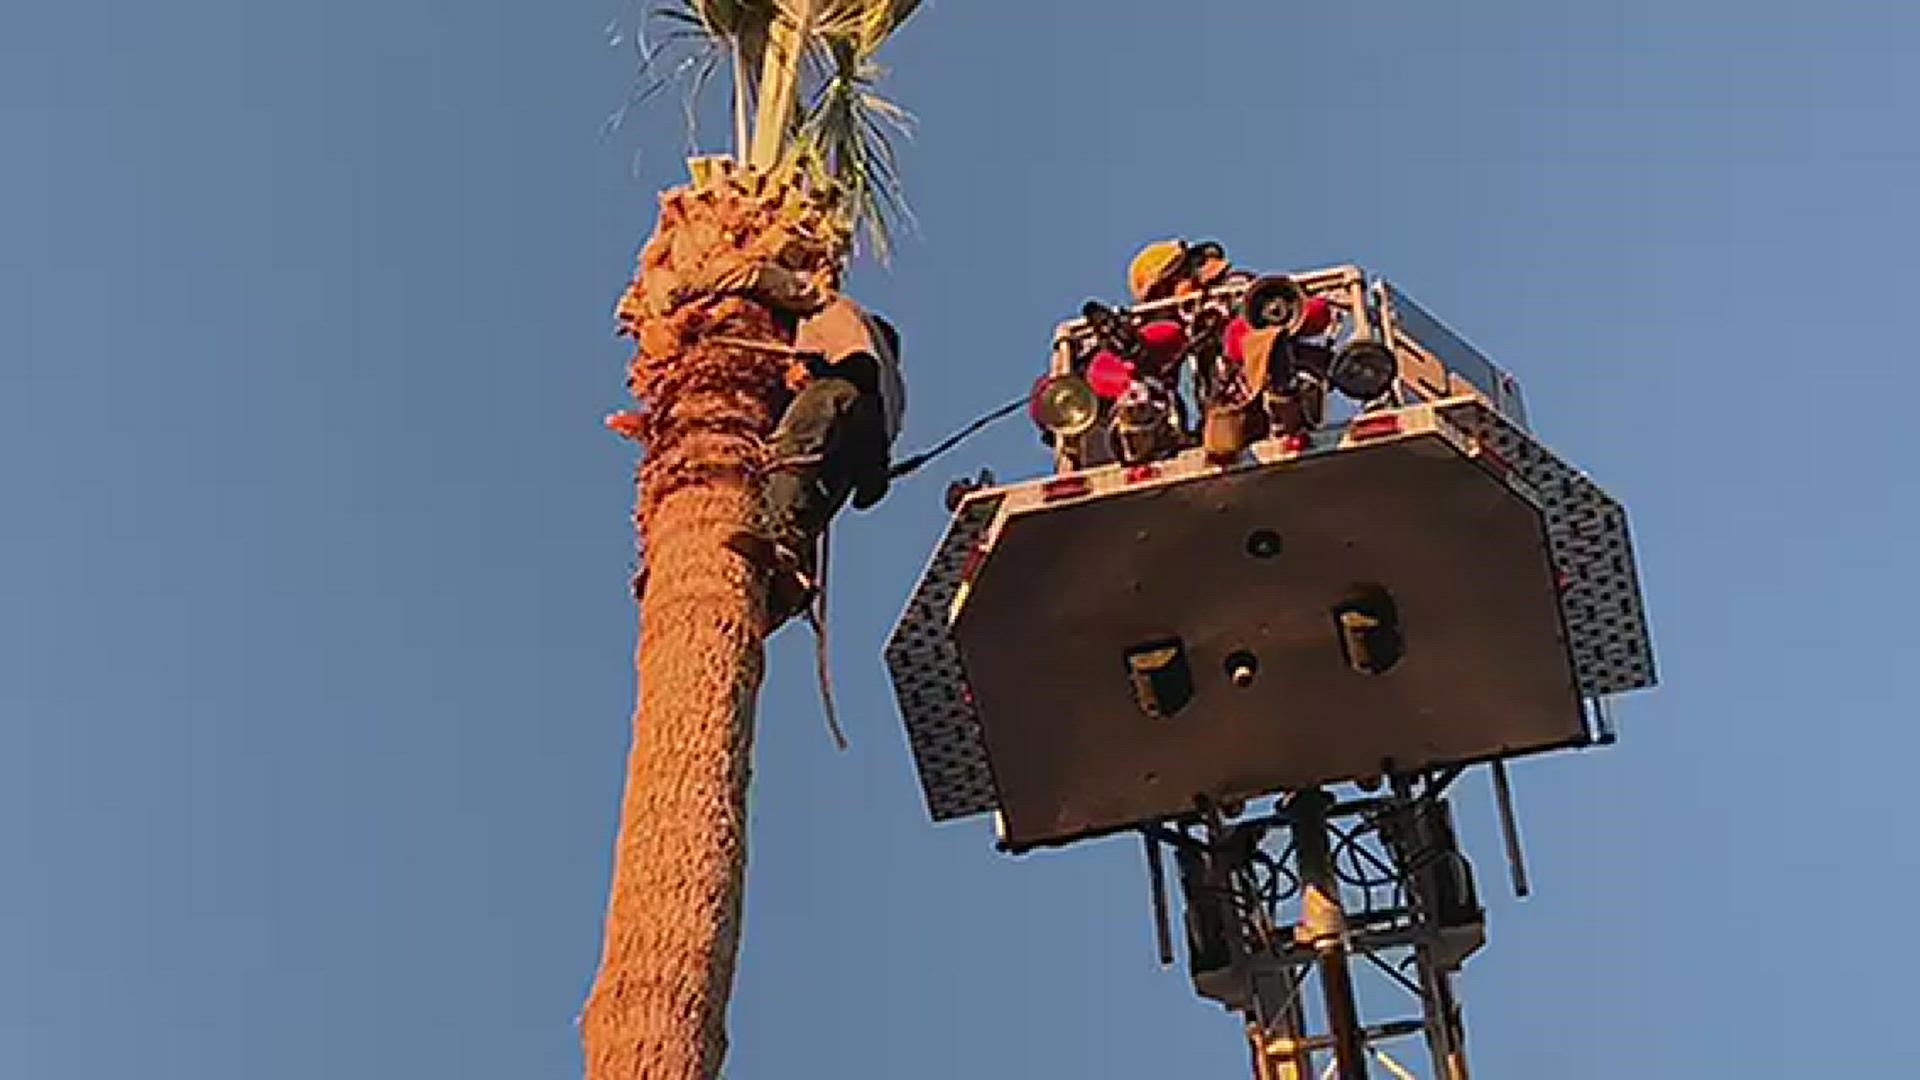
[1510, 830]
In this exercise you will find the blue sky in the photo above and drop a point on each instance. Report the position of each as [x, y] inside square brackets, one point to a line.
[314, 640]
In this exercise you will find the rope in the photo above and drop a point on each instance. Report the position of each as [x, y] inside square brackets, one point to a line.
[792, 462]
[816, 614]
[775, 347]
[914, 463]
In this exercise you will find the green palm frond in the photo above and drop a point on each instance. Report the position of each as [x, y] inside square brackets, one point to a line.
[701, 36]
[676, 57]
[737, 26]
[845, 139]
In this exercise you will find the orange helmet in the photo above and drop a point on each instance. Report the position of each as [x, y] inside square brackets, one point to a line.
[1154, 267]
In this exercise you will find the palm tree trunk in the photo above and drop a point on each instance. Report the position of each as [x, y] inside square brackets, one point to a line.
[658, 1006]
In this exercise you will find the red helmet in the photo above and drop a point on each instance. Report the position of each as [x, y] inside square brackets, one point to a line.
[1109, 375]
[1163, 341]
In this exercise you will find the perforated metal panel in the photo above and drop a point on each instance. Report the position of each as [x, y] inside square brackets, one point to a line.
[1588, 542]
[928, 680]
[1592, 549]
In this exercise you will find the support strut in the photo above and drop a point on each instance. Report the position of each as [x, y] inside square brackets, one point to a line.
[1285, 1047]
[1323, 928]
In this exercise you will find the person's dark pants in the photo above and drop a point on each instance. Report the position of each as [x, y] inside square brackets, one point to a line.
[824, 452]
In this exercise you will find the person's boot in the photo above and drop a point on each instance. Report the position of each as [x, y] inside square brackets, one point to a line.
[790, 581]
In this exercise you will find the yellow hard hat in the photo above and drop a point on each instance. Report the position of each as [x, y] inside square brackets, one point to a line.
[1156, 264]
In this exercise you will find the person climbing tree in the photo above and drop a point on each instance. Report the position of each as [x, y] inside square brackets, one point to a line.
[834, 442]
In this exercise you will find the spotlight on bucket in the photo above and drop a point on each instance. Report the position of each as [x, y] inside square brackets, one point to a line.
[1274, 302]
[1145, 423]
[1363, 370]
[1064, 405]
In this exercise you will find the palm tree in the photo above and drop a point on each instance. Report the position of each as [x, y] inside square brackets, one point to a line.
[756, 238]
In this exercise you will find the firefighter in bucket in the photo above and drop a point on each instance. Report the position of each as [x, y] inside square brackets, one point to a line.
[1168, 268]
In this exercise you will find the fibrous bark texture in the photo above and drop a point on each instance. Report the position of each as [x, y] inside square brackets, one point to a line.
[732, 256]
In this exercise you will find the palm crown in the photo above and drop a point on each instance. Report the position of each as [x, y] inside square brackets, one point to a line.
[804, 93]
